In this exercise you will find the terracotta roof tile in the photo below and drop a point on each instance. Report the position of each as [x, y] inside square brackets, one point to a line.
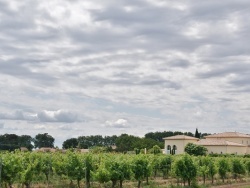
[228, 135]
[180, 137]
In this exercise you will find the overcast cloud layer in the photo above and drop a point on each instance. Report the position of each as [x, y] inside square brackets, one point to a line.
[73, 68]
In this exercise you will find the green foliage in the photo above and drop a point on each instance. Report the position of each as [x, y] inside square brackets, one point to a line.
[212, 169]
[165, 163]
[70, 143]
[31, 167]
[155, 150]
[126, 142]
[25, 141]
[11, 142]
[197, 134]
[158, 136]
[185, 169]
[74, 167]
[46, 165]
[44, 140]
[223, 168]
[196, 150]
[98, 149]
[119, 170]
[140, 168]
[238, 167]
[102, 174]
[247, 165]
[11, 166]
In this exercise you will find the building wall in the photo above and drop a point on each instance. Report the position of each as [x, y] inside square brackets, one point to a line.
[245, 141]
[180, 145]
[227, 149]
[248, 150]
[216, 149]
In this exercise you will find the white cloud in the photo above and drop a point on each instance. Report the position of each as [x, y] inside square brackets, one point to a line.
[120, 123]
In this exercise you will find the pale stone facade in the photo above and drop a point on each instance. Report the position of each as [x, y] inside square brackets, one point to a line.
[176, 144]
[222, 143]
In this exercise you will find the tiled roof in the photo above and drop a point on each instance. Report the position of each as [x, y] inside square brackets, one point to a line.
[210, 142]
[180, 137]
[228, 135]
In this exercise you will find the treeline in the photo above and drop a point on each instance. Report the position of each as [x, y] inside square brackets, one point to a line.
[125, 142]
[122, 143]
[12, 142]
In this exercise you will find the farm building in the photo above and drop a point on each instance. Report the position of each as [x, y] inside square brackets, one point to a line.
[221, 143]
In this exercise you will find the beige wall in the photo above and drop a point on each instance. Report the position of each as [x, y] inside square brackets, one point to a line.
[227, 149]
[180, 144]
[245, 141]
[248, 150]
[240, 150]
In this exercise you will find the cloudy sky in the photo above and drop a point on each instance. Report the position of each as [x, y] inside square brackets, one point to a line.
[86, 67]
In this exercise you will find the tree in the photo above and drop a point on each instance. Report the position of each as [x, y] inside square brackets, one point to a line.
[193, 149]
[9, 142]
[197, 134]
[126, 142]
[147, 143]
[44, 140]
[26, 141]
[70, 143]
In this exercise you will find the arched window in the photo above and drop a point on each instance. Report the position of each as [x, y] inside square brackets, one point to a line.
[168, 149]
[174, 149]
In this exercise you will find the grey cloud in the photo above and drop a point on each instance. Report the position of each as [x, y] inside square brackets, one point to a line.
[242, 80]
[57, 116]
[1, 125]
[128, 79]
[18, 68]
[180, 63]
[214, 10]
[17, 115]
[219, 71]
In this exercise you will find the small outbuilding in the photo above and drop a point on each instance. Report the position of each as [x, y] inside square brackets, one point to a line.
[176, 144]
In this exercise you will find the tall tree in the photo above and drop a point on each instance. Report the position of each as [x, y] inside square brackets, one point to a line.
[44, 140]
[126, 142]
[70, 143]
[9, 142]
[26, 141]
[197, 134]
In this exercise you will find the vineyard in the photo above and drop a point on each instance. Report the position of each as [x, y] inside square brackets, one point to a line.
[73, 169]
